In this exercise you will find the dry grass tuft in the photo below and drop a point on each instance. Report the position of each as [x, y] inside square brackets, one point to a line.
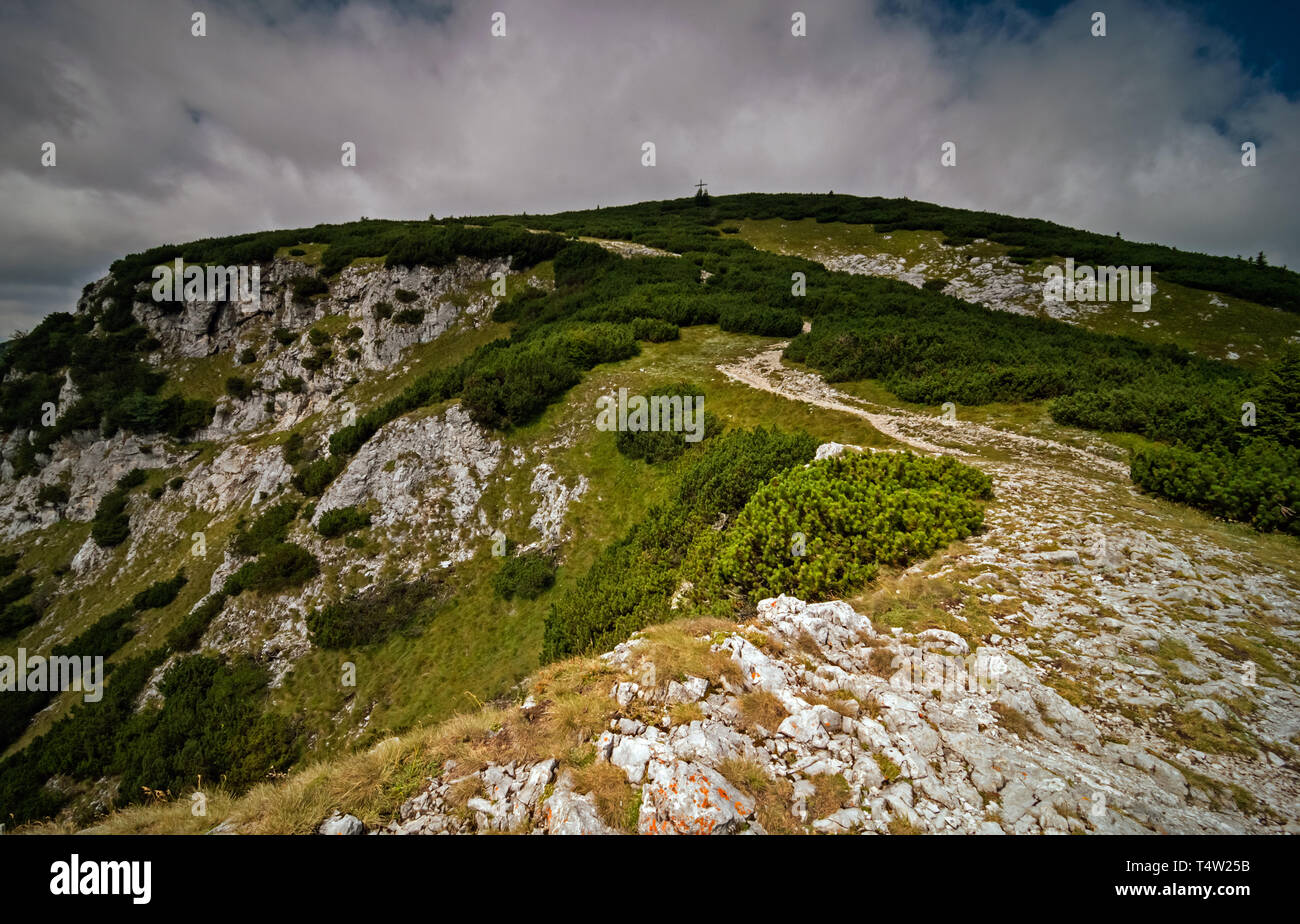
[772, 797]
[617, 801]
[676, 653]
[1015, 721]
[686, 713]
[833, 793]
[761, 708]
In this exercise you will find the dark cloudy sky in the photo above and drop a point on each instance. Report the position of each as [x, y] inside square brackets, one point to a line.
[165, 137]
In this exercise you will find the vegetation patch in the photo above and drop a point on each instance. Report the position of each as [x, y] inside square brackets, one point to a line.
[824, 530]
[111, 524]
[527, 576]
[631, 584]
[370, 617]
[270, 528]
[341, 520]
[279, 567]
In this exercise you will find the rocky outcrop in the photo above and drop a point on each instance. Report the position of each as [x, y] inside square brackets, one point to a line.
[88, 466]
[425, 477]
[553, 500]
[918, 733]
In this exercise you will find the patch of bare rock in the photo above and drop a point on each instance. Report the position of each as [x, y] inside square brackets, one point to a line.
[920, 747]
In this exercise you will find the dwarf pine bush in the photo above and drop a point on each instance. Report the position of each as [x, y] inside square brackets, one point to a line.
[340, 520]
[526, 576]
[825, 529]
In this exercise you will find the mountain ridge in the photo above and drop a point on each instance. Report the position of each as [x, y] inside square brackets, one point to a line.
[466, 420]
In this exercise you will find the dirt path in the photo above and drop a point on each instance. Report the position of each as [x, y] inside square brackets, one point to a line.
[765, 371]
[1167, 628]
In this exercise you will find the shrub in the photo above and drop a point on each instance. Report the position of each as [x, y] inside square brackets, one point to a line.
[383, 311]
[515, 386]
[278, 568]
[105, 636]
[317, 337]
[247, 356]
[284, 336]
[1279, 399]
[526, 576]
[313, 478]
[370, 617]
[132, 479]
[756, 319]
[824, 530]
[405, 296]
[1259, 485]
[80, 745]
[581, 262]
[167, 749]
[15, 617]
[159, 593]
[317, 360]
[292, 449]
[654, 330]
[935, 285]
[304, 287]
[56, 494]
[238, 387]
[189, 631]
[271, 528]
[297, 252]
[409, 316]
[512, 385]
[111, 524]
[16, 589]
[292, 384]
[340, 520]
[661, 445]
[630, 584]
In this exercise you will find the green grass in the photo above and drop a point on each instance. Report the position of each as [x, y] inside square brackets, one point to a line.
[158, 557]
[204, 377]
[1191, 318]
[476, 647]
[313, 256]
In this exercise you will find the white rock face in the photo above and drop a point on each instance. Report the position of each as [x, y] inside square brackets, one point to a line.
[997, 281]
[342, 824]
[553, 500]
[240, 473]
[831, 450]
[88, 466]
[426, 474]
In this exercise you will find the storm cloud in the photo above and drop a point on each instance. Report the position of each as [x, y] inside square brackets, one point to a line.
[164, 137]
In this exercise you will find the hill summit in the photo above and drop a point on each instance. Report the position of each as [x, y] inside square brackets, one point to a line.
[935, 550]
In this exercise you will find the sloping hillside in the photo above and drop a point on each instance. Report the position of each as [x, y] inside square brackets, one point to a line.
[378, 499]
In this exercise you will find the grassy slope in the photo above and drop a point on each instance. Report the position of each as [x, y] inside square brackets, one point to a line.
[1185, 316]
[477, 647]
